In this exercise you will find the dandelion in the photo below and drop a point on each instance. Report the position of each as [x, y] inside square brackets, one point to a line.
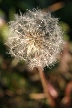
[35, 37]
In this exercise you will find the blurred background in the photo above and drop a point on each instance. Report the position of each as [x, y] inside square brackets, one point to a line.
[22, 88]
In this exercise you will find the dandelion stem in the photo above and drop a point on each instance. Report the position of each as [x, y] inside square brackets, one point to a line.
[45, 88]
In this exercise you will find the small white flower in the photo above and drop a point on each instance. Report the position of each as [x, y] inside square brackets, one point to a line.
[35, 37]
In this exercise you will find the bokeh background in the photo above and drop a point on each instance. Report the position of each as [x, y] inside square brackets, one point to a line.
[22, 88]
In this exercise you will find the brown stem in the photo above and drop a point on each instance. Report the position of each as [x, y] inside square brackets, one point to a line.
[45, 87]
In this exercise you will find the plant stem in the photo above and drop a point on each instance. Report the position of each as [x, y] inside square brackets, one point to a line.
[45, 87]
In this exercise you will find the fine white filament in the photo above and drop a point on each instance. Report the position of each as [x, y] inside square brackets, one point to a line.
[35, 37]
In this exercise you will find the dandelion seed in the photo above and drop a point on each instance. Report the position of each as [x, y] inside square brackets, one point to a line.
[35, 37]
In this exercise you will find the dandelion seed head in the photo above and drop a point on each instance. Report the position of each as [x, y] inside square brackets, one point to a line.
[35, 37]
